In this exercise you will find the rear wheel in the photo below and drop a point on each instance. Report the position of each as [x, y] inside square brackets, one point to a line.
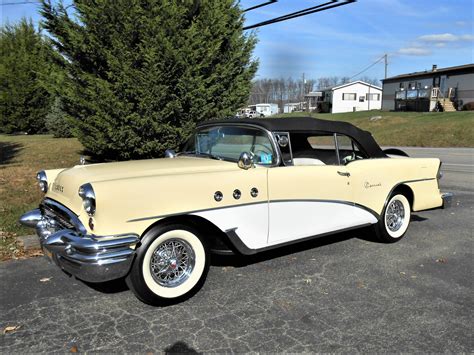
[395, 219]
[170, 266]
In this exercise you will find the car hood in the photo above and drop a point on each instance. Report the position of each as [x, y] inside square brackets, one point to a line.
[65, 186]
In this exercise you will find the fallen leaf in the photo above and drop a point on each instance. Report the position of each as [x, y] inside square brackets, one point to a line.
[45, 279]
[360, 284]
[73, 349]
[441, 260]
[307, 281]
[413, 276]
[11, 328]
[402, 273]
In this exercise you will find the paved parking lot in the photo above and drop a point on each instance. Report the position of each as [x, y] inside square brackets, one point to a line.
[339, 293]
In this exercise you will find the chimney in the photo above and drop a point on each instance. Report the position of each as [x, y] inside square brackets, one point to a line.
[435, 67]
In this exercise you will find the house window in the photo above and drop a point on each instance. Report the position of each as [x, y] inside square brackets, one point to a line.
[401, 86]
[361, 98]
[373, 97]
[349, 97]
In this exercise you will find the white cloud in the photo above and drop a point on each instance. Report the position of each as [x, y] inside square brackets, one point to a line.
[414, 51]
[445, 37]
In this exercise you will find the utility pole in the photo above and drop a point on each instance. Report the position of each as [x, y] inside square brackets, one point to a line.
[302, 94]
[386, 64]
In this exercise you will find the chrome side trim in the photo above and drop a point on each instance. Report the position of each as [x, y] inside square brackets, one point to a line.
[256, 203]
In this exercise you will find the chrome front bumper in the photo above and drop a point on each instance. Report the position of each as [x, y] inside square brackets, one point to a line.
[88, 257]
[447, 198]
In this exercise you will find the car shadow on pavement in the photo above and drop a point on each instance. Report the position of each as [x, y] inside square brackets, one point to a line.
[238, 260]
[180, 348]
[114, 286]
[416, 218]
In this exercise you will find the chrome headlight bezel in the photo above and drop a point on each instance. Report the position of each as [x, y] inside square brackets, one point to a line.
[42, 181]
[86, 192]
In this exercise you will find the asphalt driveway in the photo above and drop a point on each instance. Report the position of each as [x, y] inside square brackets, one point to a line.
[339, 293]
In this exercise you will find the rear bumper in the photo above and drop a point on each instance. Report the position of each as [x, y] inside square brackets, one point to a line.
[88, 257]
[447, 198]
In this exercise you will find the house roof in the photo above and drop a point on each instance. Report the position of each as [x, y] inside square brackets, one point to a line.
[309, 124]
[459, 69]
[336, 87]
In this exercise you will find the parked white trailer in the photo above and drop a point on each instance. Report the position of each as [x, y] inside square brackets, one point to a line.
[265, 110]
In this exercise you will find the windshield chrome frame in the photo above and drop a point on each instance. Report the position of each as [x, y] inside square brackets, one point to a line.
[267, 132]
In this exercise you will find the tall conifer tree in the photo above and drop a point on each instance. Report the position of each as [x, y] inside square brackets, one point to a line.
[142, 73]
[26, 70]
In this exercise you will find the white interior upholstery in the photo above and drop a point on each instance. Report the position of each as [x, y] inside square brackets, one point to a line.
[307, 161]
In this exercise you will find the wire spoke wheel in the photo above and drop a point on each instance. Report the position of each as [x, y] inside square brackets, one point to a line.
[172, 262]
[395, 215]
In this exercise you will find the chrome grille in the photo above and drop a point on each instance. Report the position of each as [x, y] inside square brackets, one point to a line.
[50, 214]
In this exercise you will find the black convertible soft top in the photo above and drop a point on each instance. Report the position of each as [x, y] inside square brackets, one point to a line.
[309, 124]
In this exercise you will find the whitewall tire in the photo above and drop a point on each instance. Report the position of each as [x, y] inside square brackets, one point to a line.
[395, 219]
[171, 265]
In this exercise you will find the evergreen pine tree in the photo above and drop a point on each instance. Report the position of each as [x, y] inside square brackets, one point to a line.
[142, 73]
[26, 66]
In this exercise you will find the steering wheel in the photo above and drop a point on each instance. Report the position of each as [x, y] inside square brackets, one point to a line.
[347, 159]
[262, 149]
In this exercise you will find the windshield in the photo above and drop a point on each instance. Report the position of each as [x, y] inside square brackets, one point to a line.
[228, 142]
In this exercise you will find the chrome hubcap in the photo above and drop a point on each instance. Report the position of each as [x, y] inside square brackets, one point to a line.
[395, 215]
[172, 262]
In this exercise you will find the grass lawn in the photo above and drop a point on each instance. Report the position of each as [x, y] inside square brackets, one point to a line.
[414, 129]
[21, 157]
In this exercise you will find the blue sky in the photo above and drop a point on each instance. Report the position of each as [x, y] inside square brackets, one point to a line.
[345, 40]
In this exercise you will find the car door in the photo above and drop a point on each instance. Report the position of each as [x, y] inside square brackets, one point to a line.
[311, 196]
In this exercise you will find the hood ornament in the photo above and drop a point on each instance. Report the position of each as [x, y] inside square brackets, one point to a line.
[82, 160]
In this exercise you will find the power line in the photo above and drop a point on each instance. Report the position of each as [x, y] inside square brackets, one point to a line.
[370, 66]
[321, 7]
[261, 5]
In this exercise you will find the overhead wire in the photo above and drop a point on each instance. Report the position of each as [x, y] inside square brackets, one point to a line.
[321, 7]
[370, 66]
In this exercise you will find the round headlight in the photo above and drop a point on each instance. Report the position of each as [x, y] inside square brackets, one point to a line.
[89, 206]
[42, 181]
[86, 192]
[43, 186]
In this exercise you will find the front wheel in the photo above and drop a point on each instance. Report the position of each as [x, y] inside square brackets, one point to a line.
[395, 219]
[171, 264]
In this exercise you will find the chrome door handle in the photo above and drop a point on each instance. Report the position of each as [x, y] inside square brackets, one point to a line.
[343, 173]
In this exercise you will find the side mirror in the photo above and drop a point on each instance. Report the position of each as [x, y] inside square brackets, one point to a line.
[246, 161]
[169, 153]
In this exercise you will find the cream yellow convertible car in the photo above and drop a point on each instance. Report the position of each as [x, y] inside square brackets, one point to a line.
[237, 186]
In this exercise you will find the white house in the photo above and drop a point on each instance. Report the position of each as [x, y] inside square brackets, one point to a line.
[355, 96]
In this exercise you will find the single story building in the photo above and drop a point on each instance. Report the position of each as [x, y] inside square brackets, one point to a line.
[443, 89]
[354, 96]
[294, 107]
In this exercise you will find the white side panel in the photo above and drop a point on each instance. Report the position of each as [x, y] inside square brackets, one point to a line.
[299, 219]
[289, 221]
[251, 222]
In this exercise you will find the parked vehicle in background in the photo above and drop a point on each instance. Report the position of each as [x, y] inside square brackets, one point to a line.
[238, 186]
[265, 110]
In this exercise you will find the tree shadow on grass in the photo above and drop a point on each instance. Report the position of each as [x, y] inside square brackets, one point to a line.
[8, 151]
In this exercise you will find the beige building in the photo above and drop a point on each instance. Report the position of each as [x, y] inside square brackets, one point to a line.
[445, 89]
